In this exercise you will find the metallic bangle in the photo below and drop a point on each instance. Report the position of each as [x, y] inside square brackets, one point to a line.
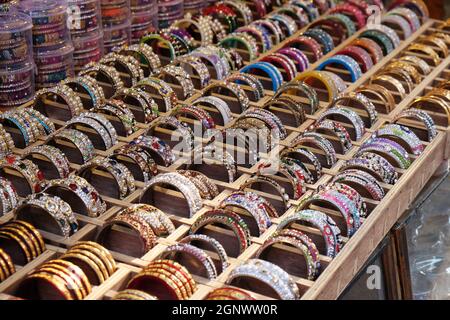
[318, 141]
[93, 203]
[322, 37]
[228, 293]
[183, 78]
[398, 21]
[259, 208]
[56, 157]
[381, 93]
[54, 206]
[409, 15]
[251, 81]
[358, 54]
[178, 181]
[311, 44]
[301, 242]
[380, 38]
[348, 63]
[120, 110]
[407, 137]
[388, 149]
[273, 73]
[361, 180]
[192, 63]
[208, 190]
[373, 164]
[121, 174]
[327, 226]
[272, 122]
[145, 55]
[296, 108]
[218, 248]
[217, 103]
[196, 253]
[436, 42]
[58, 284]
[293, 87]
[269, 274]
[8, 196]
[80, 140]
[337, 130]
[418, 6]
[372, 47]
[233, 88]
[195, 112]
[96, 71]
[64, 92]
[7, 267]
[27, 169]
[161, 88]
[160, 223]
[383, 80]
[143, 100]
[88, 85]
[262, 179]
[142, 158]
[95, 125]
[402, 75]
[350, 115]
[363, 101]
[421, 116]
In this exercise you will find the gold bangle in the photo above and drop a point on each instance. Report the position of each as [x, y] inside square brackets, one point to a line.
[23, 246]
[438, 42]
[70, 283]
[441, 93]
[417, 103]
[310, 76]
[32, 231]
[408, 67]
[7, 267]
[59, 284]
[402, 76]
[71, 256]
[172, 277]
[101, 252]
[76, 271]
[426, 51]
[177, 273]
[381, 93]
[23, 236]
[92, 257]
[160, 277]
[132, 294]
[387, 79]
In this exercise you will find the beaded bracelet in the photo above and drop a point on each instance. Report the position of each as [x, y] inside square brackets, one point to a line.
[348, 114]
[56, 157]
[421, 116]
[120, 110]
[390, 150]
[90, 86]
[375, 165]
[127, 64]
[162, 88]
[145, 55]
[406, 136]
[64, 92]
[100, 71]
[195, 63]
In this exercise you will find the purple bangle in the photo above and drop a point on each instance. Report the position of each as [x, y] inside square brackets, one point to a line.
[298, 56]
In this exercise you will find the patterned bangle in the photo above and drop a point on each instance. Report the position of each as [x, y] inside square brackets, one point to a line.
[360, 98]
[282, 61]
[90, 86]
[297, 56]
[40, 119]
[361, 180]
[301, 242]
[233, 88]
[310, 8]
[293, 87]
[251, 81]
[418, 63]
[348, 63]
[383, 41]
[358, 54]
[64, 221]
[409, 15]
[18, 121]
[8, 196]
[208, 190]
[260, 209]
[269, 274]
[407, 137]
[287, 24]
[348, 23]
[334, 28]
[214, 60]
[272, 122]
[418, 6]
[426, 50]
[259, 34]
[27, 169]
[225, 218]
[143, 100]
[183, 78]
[155, 41]
[194, 63]
[140, 157]
[310, 43]
[272, 27]
[390, 150]
[372, 47]
[337, 130]
[398, 21]
[68, 96]
[422, 116]
[202, 25]
[6, 142]
[218, 248]
[178, 181]
[218, 104]
[159, 222]
[241, 7]
[120, 110]
[145, 55]
[351, 194]
[390, 33]
[296, 108]
[324, 78]
[95, 125]
[321, 37]
[131, 294]
[195, 112]
[228, 293]
[384, 80]
[318, 141]
[56, 157]
[353, 11]
[262, 179]
[304, 155]
[380, 93]
[327, 226]
[348, 114]
[208, 154]
[273, 73]
[105, 123]
[161, 88]
[297, 174]
[99, 72]
[231, 40]
[375, 165]
[80, 140]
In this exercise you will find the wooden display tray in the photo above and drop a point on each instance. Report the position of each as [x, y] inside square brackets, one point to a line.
[336, 273]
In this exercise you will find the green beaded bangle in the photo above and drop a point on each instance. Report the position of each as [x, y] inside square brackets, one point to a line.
[152, 37]
[381, 39]
[232, 39]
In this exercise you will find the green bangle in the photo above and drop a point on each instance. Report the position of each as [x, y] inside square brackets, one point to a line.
[346, 21]
[381, 39]
[233, 38]
[152, 37]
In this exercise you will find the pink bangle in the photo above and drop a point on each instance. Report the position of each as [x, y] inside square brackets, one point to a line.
[360, 55]
[353, 11]
[283, 62]
[300, 59]
[309, 42]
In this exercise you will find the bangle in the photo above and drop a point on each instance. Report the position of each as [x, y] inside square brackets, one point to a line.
[269, 274]
[183, 78]
[297, 13]
[353, 11]
[347, 62]
[228, 293]
[64, 221]
[231, 87]
[417, 63]
[337, 130]
[416, 5]
[388, 149]
[422, 116]
[80, 140]
[8, 196]
[363, 101]
[325, 79]
[321, 37]
[371, 46]
[251, 81]
[358, 54]
[134, 295]
[145, 55]
[63, 92]
[25, 130]
[105, 259]
[297, 174]
[297, 56]
[361, 180]
[118, 171]
[212, 56]
[95, 125]
[262, 179]
[287, 24]
[120, 110]
[299, 241]
[320, 142]
[407, 137]
[27, 169]
[327, 226]
[379, 92]
[103, 72]
[208, 190]
[192, 63]
[202, 25]
[93, 204]
[142, 158]
[142, 99]
[155, 41]
[310, 8]
[161, 88]
[258, 33]
[383, 41]
[90, 86]
[195, 112]
[282, 61]
[348, 23]
[296, 108]
[296, 86]
[405, 67]
[389, 32]
[231, 40]
[243, 9]
[331, 27]
[273, 73]
[270, 120]
[56, 157]
[260, 209]
[304, 155]
[349, 115]
[304, 42]
[436, 42]
[6, 266]
[374, 165]
[398, 21]
[384, 79]
[409, 15]
[178, 181]
[272, 27]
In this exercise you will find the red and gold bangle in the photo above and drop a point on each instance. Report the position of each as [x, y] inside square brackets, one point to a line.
[228, 293]
[360, 55]
[304, 41]
[180, 270]
[371, 47]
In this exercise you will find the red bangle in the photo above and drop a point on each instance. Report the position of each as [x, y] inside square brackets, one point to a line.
[361, 5]
[260, 7]
[309, 42]
[375, 51]
[322, 5]
[360, 55]
[219, 8]
[353, 11]
[336, 29]
[283, 62]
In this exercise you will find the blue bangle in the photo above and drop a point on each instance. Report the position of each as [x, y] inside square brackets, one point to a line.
[282, 18]
[349, 63]
[24, 132]
[322, 37]
[273, 73]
